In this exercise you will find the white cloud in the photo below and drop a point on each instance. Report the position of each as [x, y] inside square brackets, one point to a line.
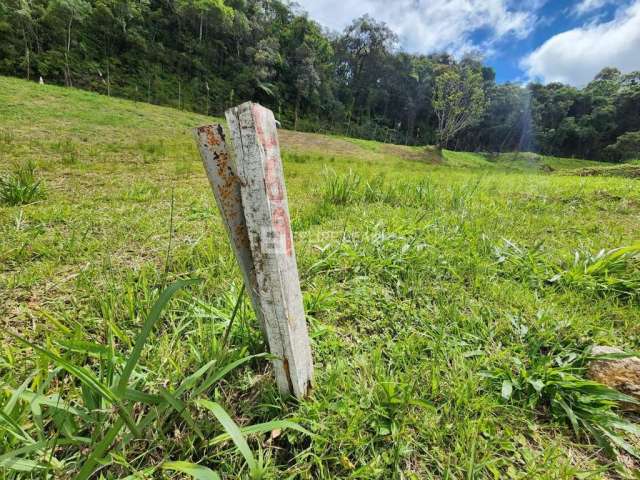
[587, 6]
[433, 25]
[577, 55]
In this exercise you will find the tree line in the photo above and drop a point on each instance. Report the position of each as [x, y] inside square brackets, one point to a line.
[207, 55]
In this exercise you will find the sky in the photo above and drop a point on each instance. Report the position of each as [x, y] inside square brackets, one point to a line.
[566, 41]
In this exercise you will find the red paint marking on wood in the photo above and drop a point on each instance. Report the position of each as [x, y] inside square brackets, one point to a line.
[281, 225]
[273, 180]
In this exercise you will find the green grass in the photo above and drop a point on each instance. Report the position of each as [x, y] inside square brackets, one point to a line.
[631, 170]
[365, 144]
[450, 308]
[21, 186]
[521, 161]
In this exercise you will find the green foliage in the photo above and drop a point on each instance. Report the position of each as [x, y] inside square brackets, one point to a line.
[624, 170]
[555, 385]
[615, 272]
[627, 147]
[458, 101]
[391, 402]
[351, 188]
[196, 472]
[356, 83]
[21, 186]
[342, 190]
[69, 152]
[257, 468]
[527, 264]
[589, 122]
[89, 424]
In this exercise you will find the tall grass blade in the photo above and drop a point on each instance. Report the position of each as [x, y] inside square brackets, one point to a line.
[137, 396]
[192, 379]
[196, 471]
[232, 429]
[227, 332]
[11, 459]
[99, 450]
[262, 428]
[15, 395]
[179, 406]
[215, 376]
[88, 379]
[153, 317]
[52, 401]
[14, 429]
[21, 465]
[81, 373]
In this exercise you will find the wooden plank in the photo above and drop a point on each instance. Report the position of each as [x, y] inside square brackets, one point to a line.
[266, 210]
[226, 190]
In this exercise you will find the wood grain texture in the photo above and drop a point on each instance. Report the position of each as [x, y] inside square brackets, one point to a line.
[225, 184]
[264, 197]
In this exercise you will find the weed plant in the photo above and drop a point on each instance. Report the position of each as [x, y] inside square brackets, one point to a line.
[21, 186]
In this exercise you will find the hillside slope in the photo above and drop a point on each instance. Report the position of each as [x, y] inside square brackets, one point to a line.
[36, 111]
[444, 301]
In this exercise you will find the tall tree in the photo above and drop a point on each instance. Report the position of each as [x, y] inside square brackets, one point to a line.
[458, 102]
[308, 53]
[68, 12]
[363, 52]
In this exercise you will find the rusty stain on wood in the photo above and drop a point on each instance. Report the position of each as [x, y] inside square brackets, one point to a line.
[225, 185]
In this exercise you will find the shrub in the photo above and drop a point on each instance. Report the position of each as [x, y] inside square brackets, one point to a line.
[627, 147]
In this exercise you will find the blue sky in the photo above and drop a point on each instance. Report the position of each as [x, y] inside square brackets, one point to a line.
[544, 40]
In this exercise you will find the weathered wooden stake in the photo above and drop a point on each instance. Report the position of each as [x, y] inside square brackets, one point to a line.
[226, 190]
[266, 212]
[252, 198]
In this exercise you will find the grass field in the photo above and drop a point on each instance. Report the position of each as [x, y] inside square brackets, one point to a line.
[451, 303]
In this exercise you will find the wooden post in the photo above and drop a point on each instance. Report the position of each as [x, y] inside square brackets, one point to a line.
[226, 190]
[252, 199]
[266, 212]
